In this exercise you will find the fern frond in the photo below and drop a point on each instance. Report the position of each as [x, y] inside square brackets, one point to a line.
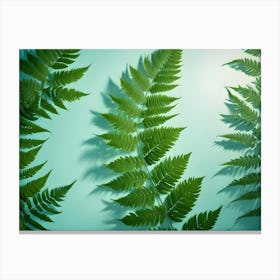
[145, 217]
[69, 94]
[48, 107]
[26, 143]
[250, 95]
[40, 67]
[67, 77]
[249, 115]
[27, 157]
[140, 197]
[182, 198]
[128, 180]
[152, 111]
[157, 141]
[245, 162]
[254, 52]
[132, 91]
[41, 205]
[29, 172]
[167, 173]
[252, 195]
[27, 127]
[141, 80]
[127, 106]
[166, 78]
[202, 221]
[119, 122]
[148, 67]
[123, 141]
[237, 122]
[248, 66]
[245, 139]
[58, 59]
[123, 164]
[156, 88]
[159, 100]
[156, 120]
[42, 113]
[248, 179]
[32, 187]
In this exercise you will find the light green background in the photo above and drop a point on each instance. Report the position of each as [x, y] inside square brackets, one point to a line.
[72, 153]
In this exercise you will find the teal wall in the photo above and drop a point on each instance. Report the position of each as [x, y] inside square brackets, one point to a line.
[73, 151]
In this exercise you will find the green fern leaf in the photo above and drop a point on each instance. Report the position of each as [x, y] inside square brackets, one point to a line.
[250, 95]
[26, 143]
[249, 179]
[27, 127]
[57, 102]
[159, 100]
[127, 106]
[161, 88]
[140, 197]
[30, 69]
[157, 120]
[119, 122]
[132, 91]
[182, 198]
[67, 77]
[157, 141]
[252, 213]
[42, 113]
[59, 193]
[167, 173]
[128, 180]
[246, 162]
[32, 187]
[203, 221]
[237, 122]
[123, 141]
[248, 66]
[148, 67]
[254, 52]
[142, 81]
[40, 215]
[29, 90]
[245, 139]
[28, 173]
[48, 56]
[152, 111]
[145, 217]
[249, 115]
[49, 107]
[252, 195]
[33, 223]
[128, 163]
[69, 94]
[40, 67]
[166, 78]
[27, 157]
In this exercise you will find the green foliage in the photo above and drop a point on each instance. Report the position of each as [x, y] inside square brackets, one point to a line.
[146, 181]
[41, 206]
[202, 221]
[146, 217]
[248, 66]
[42, 91]
[182, 198]
[245, 119]
[44, 87]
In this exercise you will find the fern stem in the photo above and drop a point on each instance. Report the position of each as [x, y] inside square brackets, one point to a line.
[139, 151]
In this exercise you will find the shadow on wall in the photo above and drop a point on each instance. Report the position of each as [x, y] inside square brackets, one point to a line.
[98, 153]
